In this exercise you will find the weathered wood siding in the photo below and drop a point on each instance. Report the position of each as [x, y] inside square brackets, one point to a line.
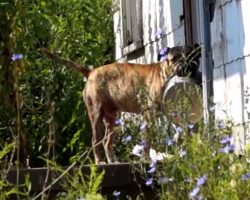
[230, 34]
[157, 16]
[230, 41]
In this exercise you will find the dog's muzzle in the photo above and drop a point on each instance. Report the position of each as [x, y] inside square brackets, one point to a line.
[183, 99]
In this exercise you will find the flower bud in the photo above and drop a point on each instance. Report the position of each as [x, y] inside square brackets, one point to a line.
[247, 149]
[236, 169]
[233, 183]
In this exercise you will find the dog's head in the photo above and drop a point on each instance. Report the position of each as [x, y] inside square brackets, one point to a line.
[184, 59]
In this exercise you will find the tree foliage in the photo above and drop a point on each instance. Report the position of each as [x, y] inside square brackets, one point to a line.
[40, 98]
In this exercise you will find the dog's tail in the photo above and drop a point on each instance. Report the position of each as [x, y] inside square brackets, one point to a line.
[69, 63]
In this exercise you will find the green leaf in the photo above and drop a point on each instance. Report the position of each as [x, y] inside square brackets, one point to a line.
[6, 149]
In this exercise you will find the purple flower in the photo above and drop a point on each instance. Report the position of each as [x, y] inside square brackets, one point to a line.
[226, 140]
[190, 126]
[245, 177]
[170, 142]
[119, 122]
[143, 126]
[149, 181]
[202, 180]
[151, 170]
[144, 144]
[229, 148]
[182, 153]
[163, 53]
[194, 192]
[153, 163]
[178, 129]
[127, 139]
[15, 57]
[116, 193]
[221, 125]
[158, 34]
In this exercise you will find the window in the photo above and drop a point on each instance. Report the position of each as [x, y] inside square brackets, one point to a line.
[132, 25]
[192, 20]
[191, 23]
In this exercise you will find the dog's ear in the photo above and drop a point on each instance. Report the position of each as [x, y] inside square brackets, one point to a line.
[197, 50]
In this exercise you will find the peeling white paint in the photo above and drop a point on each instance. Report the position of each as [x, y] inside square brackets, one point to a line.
[230, 37]
[156, 15]
[230, 41]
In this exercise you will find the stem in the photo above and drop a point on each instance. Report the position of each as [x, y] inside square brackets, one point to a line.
[51, 146]
[18, 136]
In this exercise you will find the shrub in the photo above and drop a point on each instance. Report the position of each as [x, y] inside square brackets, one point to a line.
[193, 166]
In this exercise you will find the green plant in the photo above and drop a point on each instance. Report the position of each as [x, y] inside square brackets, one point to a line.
[70, 28]
[9, 190]
[195, 166]
[79, 185]
[188, 161]
[5, 189]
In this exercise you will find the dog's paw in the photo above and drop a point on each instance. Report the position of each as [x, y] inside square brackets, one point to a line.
[113, 161]
[102, 163]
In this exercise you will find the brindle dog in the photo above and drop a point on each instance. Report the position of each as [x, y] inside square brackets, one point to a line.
[113, 88]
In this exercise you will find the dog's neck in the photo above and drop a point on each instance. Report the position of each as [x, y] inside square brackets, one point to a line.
[166, 69]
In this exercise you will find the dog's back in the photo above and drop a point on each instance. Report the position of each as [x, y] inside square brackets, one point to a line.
[121, 85]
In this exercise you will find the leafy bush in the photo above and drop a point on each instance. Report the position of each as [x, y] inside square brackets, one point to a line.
[38, 97]
[192, 166]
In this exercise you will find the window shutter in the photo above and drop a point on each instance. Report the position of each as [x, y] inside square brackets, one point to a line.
[132, 25]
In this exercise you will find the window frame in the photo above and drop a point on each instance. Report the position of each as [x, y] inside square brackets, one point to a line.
[132, 26]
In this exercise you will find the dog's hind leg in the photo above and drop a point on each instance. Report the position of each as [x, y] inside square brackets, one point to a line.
[97, 137]
[109, 121]
[95, 117]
